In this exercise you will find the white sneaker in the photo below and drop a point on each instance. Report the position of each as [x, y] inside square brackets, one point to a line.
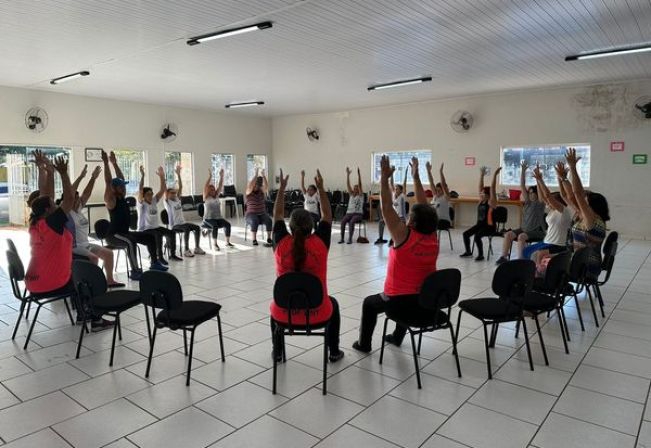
[188, 253]
[199, 251]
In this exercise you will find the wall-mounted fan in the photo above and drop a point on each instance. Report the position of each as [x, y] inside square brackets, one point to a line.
[169, 132]
[642, 108]
[36, 119]
[312, 134]
[462, 121]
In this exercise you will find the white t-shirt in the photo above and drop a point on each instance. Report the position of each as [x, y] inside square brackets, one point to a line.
[399, 205]
[558, 223]
[174, 212]
[311, 203]
[213, 209]
[442, 207]
[148, 215]
[81, 226]
[355, 204]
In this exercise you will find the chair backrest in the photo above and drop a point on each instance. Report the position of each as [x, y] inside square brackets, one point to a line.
[579, 264]
[557, 272]
[514, 278]
[101, 228]
[346, 198]
[161, 290]
[11, 246]
[164, 217]
[229, 190]
[612, 238]
[88, 278]
[500, 215]
[131, 201]
[187, 202]
[451, 214]
[201, 210]
[16, 272]
[336, 197]
[133, 220]
[298, 292]
[440, 289]
[198, 199]
[609, 260]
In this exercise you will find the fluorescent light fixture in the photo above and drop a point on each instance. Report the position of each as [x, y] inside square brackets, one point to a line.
[226, 33]
[69, 77]
[247, 104]
[406, 82]
[612, 52]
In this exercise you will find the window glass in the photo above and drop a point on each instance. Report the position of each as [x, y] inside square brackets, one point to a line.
[547, 156]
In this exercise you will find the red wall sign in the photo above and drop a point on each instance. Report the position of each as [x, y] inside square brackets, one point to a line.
[469, 161]
[616, 146]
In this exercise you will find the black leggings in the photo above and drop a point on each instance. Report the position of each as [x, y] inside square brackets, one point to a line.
[479, 230]
[159, 233]
[375, 305]
[333, 331]
[187, 228]
[130, 240]
[216, 224]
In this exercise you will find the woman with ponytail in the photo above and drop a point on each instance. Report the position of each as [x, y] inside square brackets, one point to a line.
[305, 251]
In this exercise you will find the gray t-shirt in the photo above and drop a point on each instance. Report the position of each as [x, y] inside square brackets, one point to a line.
[533, 216]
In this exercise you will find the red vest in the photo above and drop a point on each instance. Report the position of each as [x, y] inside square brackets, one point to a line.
[51, 265]
[316, 264]
[410, 264]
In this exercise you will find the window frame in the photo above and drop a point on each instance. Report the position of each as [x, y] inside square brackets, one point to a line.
[133, 185]
[400, 171]
[215, 168]
[186, 173]
[249, 173]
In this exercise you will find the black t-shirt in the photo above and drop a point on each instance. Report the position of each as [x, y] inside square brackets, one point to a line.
[482, 212]
[323, 231]
[57, 221]
[120, 217]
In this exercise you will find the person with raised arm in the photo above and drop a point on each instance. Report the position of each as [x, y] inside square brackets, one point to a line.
[119, 233]
[593, 213]
[256, 207]
[399, 194]
[176, 219]
[533, 219]
[484, 225]
[441, 199]
[411, 259]
[82, 245]
[304, 248]
[212, 217]
[355, 211]
[311, 199]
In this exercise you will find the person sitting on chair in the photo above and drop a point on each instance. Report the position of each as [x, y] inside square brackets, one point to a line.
[411, 259]
[533, 219]
[148, 221]
[355, 211]
[398, 193]
[311, 200]
[176, 219]
[256, 207]
[485, 225]
[212, 217]
[441, 199]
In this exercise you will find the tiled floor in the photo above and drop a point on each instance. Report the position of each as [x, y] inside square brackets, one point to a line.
[595, 397]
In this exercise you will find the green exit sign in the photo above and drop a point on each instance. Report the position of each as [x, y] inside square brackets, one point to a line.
[639, 159]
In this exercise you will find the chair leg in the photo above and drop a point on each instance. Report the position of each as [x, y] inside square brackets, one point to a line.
[221, 339]
[151, 351]
[65, 302]
[420, 341]
[597, 292]
[454, 348]
[29, 307]
[494, 335]
[115, 333]
[325, 360]
[185, 342]
[488, 355]
[594, 310]
[526, 342]
[384, 333]
[540, 337]
[119, 325]
[275, 366]
[562, 324]
[567, 330]
[413, 349]
[450, 238]
[187, 379]
[148, 324]
[31, 327]
[81, 338]
[517, 329]
[578, 311]
[20, 316]
[458, 324]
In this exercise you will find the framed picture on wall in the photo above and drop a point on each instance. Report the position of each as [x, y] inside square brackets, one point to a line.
[93, 154]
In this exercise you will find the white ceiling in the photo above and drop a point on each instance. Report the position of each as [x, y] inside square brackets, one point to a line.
[321, 55]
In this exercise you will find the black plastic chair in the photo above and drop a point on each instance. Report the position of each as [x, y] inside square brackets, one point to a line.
[439, 293]
[608, 261]
[161, 290]
[512, 282]
[500, 217]
[101, 231]
[444, 226]
[197, 199]
[17, 275]
[299, 293]
[96, 300]
[187, 203]
[165, 219]
[579, 278]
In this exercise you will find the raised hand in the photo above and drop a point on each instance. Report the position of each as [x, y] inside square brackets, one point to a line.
[537, 173]
[523, 165]
[483, 170]
[561, 169]
[571, 157]
[96, 172]
[112, 158]
[160, 172]
[318, 180]
[177, 170]
[497, 171]
[38, 157]
[283, 180]
[348, 171]
[142, 170]
[441, 169]
[61, 165]
[221, 173]
[84, 171]
[104, 156]
[428, 167]
[386, 169]
[414, 166]
[302, 173]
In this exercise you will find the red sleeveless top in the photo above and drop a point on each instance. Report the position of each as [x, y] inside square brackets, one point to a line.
[410, 263]
[316, 264]
[50, 267]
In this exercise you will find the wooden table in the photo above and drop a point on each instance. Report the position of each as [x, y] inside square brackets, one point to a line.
[454, 202]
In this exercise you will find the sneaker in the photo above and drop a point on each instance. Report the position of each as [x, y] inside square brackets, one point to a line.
[334, 357]
[479, 258]
[255, 242]
[163, 261]
[199, 251]
[341, 241]
[175, 258]
[216, 246]
[359, 348]
[349, 242]
[380, 241]
[268, 244]
[115, 285]
[269, 241]
[188, 253]
[101, 325]
[158, 266]
[136, 275]
[230, 245]
[389, 339]
[466, 255]
[501, 260]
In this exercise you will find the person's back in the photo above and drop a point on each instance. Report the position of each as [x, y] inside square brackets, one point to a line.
[410, 263]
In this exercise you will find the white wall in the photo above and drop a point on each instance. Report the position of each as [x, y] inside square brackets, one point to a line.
[81, 122]
[588, 115]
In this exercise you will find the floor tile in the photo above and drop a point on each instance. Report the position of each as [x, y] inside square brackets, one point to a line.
[12, 367]
[105, 388]
[562, 431]
[351, 437]
[473, 373]
[49, 356]
[437, 394]
[45, 438]
[98, 363]
[544, 379]
[361, 386]
[222, 375]
[607, 382]
[293, 378]
[44, 381]
[266, 432]
[619, 362]
[438, 441]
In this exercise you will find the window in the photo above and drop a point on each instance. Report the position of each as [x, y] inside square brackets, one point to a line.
[172, 159]
[253, 162]
[547, 156]
[400, 159]
[130, 162]
[227, 162]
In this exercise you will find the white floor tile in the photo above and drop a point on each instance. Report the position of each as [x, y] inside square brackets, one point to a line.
[293, 378]
[266, 432]
[105, 388]
[612, 383]
[44, 381]
[222, 375]
[351, 437]
[361, 386]
[437, 394]
[562, 431]
[44, 438]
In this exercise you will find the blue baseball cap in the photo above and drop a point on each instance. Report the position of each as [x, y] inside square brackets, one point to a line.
[117, 182]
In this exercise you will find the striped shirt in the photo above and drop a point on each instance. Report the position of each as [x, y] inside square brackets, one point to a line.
[255, 204]
[591, 238]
